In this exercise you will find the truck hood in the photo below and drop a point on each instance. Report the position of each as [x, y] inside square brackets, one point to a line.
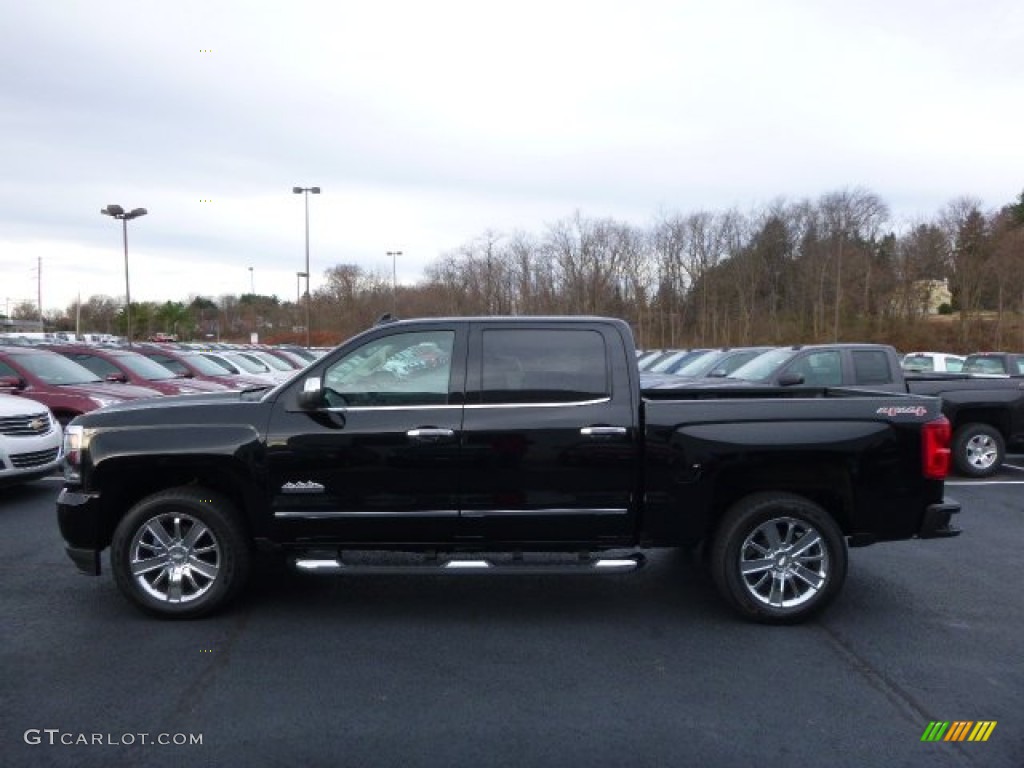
[205, 408]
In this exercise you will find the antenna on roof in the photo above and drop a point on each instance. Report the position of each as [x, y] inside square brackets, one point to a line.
[386, 318]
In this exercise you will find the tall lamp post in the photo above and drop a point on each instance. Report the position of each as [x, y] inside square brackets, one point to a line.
[117, 212]
[252, 282]
[394, 282]
[298, 282]
[304, 191]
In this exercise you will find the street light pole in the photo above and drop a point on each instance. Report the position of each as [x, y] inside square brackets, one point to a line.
[252, 283]
[394, 282]
[305, 192]
[298, 282]
[117, 212]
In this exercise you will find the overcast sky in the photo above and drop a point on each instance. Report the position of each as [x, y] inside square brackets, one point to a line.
[426, 123]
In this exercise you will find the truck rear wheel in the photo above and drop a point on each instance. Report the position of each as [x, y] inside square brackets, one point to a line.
[978, 450]
[180, 553]
[778, 558]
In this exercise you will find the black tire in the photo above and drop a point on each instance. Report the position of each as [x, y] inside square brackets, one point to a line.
[978, 450]
[198, 554]
[768, 527]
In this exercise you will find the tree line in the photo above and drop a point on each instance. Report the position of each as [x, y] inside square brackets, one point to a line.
[833, 268]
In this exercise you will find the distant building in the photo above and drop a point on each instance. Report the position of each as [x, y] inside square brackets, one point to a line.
[932, 294]
[8, 325]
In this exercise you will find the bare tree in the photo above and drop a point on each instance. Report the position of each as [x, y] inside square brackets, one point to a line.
[968, 253]
[851, 215]
[669, 240]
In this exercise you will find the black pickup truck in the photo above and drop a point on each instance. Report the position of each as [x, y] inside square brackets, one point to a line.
[986, 413]
[520, 444]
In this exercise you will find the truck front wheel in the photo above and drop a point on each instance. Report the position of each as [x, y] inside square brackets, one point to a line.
[778, 558]
[180, 553]
[978, 450]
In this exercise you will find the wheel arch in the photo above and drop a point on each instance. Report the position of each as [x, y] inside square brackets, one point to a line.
[825, 483]
[123, 482]
[997, 418]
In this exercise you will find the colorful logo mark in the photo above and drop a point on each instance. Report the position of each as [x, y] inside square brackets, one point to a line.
[958, 730]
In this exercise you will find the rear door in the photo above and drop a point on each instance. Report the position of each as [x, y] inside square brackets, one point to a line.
[550, 445]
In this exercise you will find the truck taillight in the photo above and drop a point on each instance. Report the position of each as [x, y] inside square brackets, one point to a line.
[935, 448]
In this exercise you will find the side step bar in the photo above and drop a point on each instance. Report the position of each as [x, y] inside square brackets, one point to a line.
[334, 565]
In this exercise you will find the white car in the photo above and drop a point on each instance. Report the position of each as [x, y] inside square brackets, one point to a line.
[30, 440]
[929, 362]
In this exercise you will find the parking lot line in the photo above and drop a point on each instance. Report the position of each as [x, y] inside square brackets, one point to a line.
[1013, 466]
[985, 482]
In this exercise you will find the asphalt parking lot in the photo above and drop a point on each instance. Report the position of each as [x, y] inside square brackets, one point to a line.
[648, 669]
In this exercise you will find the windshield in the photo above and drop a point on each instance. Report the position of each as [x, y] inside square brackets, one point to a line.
[207, 366]
[700, 364]
[56, 369]
[222, 363]
[271, 361]
[296, 360]
[762, 368]
[247, 364]
[144, 367]
[303, 354]
[984, 364]
[671, 359]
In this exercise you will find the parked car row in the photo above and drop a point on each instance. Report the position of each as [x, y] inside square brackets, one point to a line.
[985, 410]
[68, 380]
[683, 362]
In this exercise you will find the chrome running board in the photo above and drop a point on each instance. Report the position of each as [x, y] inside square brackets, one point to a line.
[505, 565]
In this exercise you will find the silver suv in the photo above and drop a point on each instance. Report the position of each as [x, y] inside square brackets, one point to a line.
[30, 440]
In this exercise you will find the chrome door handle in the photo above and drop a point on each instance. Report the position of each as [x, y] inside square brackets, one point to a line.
[603, 431]
[431, 435]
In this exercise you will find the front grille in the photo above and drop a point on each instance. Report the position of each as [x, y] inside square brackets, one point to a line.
[30, 425]
[34, 459]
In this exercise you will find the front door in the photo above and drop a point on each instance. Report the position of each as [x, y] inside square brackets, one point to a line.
[380, 461]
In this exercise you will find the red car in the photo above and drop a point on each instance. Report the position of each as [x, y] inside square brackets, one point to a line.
[192, 366]
[127, 367]
[64, 386]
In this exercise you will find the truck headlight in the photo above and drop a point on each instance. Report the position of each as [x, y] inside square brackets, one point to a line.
[74, 442]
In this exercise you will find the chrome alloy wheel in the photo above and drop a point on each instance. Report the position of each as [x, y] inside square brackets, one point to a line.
[784, 562]
[175, 558]
[982, 451]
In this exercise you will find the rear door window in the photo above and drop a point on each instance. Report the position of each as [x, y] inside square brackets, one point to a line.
[871, 366]
[543, 366]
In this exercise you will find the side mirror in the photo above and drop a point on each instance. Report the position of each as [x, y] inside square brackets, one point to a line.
[312, 395]
[718, 373]
[118, 378]
[790, 379]
[11, 382]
